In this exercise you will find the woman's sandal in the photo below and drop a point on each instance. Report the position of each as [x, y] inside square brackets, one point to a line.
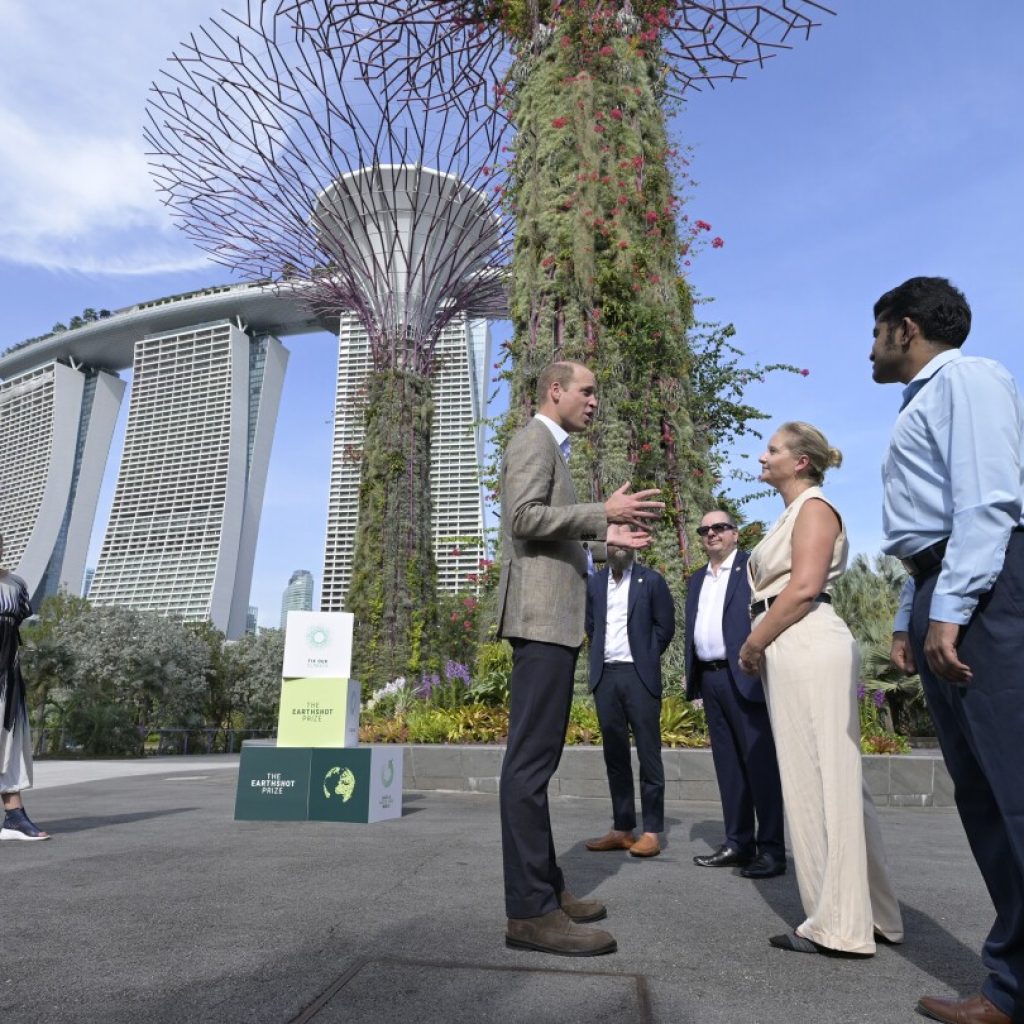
[798, 944]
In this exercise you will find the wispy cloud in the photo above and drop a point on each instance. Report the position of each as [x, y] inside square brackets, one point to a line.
[75, 190]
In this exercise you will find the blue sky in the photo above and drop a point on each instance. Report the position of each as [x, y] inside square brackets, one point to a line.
[889, 144]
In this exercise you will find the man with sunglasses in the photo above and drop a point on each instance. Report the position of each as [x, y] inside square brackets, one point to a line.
[717, 624]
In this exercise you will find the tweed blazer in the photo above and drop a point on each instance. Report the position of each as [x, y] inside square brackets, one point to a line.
[542, 592]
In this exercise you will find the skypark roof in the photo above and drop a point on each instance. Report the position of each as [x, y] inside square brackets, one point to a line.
[109, 343]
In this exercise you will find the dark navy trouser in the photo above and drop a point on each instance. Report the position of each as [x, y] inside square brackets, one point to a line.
[624, 704]
[539, 705]
[980, 727]
[743, 750]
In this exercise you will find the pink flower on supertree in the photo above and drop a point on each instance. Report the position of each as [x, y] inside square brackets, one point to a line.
[805, 373]
[717, 243]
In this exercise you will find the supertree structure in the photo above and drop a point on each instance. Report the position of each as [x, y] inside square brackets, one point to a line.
[286, 156]
[267, 124]
[601, 237]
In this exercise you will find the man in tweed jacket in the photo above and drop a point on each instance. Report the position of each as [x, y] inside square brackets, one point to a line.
[541, 605]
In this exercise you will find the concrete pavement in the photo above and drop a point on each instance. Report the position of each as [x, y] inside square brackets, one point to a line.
[151, 904]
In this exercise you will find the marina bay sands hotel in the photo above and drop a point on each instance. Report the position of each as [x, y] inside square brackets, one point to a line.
[207, 373]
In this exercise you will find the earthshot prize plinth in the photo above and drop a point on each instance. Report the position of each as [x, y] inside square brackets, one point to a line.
[316, 770]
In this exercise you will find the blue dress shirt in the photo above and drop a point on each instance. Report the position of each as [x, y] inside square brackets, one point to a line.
[955, 468]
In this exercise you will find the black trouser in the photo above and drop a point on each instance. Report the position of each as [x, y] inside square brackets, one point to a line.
[541, 697]
[981, 730]
[624, 703]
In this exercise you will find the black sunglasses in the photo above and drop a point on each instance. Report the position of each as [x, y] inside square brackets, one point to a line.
[703, 531]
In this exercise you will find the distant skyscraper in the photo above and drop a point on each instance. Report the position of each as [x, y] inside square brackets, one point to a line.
[251, 620]
[86, 586]
[181, 538]
[457, 454]
[298, 595]
[56, 423]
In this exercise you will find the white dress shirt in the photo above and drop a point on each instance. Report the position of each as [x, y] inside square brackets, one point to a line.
[708, 640]
[616, 638]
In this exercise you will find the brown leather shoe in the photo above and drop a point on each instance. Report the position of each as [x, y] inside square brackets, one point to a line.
[646, 846]
[976, 1010]
[557, 933]
[581, 911]
[612, 841]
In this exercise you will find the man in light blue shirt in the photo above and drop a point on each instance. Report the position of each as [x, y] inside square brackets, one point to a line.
[953, 497]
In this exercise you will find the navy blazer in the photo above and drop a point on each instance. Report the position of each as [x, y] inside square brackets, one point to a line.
[650, 623]
[735, 629]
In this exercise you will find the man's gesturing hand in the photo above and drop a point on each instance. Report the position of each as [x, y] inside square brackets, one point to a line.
[634, 509]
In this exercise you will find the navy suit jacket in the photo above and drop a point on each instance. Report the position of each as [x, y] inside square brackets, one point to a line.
[735, 629]
[650, 623]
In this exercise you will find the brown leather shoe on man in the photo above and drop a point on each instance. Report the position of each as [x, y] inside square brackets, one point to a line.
[976, 1010]
[557, 933]
[581, 911]
[612, 841]
[646, 846]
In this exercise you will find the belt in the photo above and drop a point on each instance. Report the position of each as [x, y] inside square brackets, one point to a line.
[712, 666]
[923, 562]
[763, 605]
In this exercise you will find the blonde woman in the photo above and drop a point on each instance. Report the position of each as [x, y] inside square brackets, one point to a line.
[15, 742]
[810, 664]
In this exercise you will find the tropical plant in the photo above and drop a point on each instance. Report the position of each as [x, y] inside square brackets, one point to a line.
[866, 597]
[683, 723]
[493, 673]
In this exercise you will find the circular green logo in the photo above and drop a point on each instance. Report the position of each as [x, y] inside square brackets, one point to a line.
[318, 636]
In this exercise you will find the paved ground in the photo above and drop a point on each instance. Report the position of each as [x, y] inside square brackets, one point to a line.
[151, 904]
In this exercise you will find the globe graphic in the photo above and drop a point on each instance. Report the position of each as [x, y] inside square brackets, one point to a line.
[339, 782]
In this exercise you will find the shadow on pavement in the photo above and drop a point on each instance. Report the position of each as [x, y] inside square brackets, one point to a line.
[67, 826]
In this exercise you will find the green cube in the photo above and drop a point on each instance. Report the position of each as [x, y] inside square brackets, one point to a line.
[273, 783]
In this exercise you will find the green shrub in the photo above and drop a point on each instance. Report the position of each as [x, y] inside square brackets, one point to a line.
[493, 672]
[683, 723]
[583, 724]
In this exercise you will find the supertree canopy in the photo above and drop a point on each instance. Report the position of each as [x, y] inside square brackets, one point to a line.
[284, 156]
[594, 183]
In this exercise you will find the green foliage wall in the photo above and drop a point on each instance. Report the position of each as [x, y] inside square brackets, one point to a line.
[394, 577]
[595, 269]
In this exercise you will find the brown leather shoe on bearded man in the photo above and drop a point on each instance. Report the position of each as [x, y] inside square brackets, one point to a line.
[556, 933]
[646, 846]
[976, 1010]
